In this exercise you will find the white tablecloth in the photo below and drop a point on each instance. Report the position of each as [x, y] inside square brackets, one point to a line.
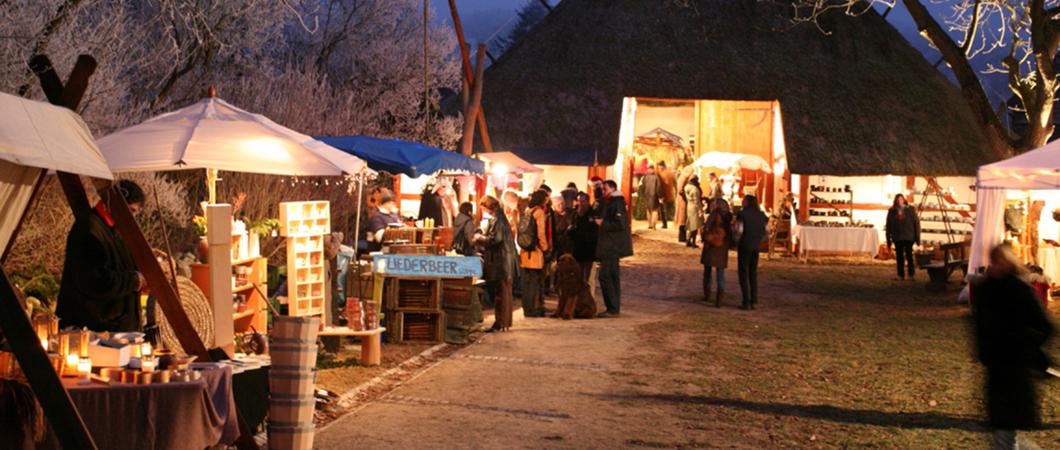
[1049, 259]
[837, 239]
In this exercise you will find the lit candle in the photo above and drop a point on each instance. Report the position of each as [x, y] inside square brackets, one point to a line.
[44, 343]
[147, 365]
[84, 370]
[71, 365]
[146, 350]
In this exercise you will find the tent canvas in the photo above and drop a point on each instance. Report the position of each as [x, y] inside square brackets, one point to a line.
[1035, 170]
[397, 156]
[35, 137]
[213, 134]
[509, 161]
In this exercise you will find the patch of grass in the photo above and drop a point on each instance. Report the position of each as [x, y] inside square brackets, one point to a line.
[838, 356]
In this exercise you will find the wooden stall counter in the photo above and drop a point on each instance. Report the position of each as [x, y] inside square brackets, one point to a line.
[371, 342]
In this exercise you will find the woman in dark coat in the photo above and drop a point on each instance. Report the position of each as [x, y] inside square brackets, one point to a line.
[903, 230]
[1010, 329]
[464, 228]
[717, 239]
[499, 263]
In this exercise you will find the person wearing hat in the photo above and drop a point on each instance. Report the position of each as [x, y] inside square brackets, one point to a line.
[101, 284]
[385, 215]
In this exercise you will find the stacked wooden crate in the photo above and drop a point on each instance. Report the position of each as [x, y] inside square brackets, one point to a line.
[413, 309]
[461, 302]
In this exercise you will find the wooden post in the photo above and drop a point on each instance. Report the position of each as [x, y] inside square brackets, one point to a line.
[219, 236]
[465, 58]
[474, 104]
[804, 198]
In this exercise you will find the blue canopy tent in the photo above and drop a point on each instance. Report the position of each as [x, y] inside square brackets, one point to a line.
[410, 158]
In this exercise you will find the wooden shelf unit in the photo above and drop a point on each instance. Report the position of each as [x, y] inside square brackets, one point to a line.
[256, 313]
[305, 224]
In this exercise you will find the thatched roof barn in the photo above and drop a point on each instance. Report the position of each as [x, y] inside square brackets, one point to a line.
[861, 101]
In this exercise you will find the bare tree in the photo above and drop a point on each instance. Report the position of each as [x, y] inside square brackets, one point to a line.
[1019, 37]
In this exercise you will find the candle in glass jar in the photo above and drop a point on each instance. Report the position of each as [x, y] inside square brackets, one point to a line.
[71, 365]
[44, 344]
[145, 350]
[84, 369]
[147, 365]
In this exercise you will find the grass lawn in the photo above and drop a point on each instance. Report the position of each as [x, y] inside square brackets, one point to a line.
[835, 356]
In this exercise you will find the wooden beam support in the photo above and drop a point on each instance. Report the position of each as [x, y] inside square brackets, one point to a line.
[58, 408]
[465, 58]
[804, 198]
[474, 105]
[54, 400]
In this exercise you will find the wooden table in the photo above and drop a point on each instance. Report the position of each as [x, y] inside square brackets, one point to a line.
[371, 342]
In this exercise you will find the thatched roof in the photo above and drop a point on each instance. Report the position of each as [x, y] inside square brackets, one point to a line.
[859, 102]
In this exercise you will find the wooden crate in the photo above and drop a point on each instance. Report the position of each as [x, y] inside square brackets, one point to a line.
[415, 327]
[413, 293]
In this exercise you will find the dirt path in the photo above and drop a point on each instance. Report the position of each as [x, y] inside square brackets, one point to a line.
[838, 355]
[546, 383]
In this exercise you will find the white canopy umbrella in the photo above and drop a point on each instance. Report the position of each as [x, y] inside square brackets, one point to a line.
[213, 134]
[35, 137]
[1035, 170]
[724, 160]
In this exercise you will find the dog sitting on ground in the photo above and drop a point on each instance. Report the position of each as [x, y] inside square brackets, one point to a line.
[575, 299]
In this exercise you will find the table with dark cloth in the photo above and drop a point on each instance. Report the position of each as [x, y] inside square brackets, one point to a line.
[172, 416]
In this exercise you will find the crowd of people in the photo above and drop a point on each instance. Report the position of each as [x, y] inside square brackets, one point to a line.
[522, 242]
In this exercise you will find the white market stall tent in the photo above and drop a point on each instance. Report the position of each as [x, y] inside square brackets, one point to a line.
[1037, 171]
[213, 134]
[34, 137]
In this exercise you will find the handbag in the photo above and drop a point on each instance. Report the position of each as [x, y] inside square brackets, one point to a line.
[715, 237]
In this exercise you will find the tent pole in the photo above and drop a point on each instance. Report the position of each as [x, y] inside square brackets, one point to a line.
[357, 217]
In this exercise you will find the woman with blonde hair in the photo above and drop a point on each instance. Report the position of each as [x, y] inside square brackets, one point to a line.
[498, 261]
[1010, 329]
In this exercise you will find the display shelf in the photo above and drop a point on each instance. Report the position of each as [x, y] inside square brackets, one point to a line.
[305, 224]
[256, 315]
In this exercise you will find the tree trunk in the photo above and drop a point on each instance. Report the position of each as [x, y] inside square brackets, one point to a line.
[1000, 139]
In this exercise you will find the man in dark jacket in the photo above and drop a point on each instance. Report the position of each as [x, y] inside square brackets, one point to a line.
[668, 183]
[583, 234]
[614, 242]
[903, 230]
[753, 221]
[648, 192]
[101, 284]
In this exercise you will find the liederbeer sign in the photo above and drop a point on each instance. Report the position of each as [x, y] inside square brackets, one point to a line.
[428, 266]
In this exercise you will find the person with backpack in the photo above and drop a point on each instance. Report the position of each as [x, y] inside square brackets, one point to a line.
[717, 238]
[533, 240]
[464, 231]
[614, 242]
[752, 223]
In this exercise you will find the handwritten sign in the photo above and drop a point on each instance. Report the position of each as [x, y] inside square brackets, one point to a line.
[428, 266]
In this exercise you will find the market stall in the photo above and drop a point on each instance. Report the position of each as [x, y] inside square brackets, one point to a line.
[1018, 202]
[508, 171]
[214, 135]
[41, 353]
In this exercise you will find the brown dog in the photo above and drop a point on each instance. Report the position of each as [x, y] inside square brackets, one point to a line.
[575, 299]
